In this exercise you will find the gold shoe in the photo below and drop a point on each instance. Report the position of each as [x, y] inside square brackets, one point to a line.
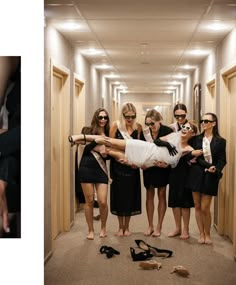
[150, 264]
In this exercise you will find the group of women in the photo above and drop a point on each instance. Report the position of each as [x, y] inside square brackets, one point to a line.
[176, 155]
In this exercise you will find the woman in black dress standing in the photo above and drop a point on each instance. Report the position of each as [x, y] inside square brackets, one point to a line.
[93, 173]
[157, 176]
[180, 196]
[125, 196]
[213, 148]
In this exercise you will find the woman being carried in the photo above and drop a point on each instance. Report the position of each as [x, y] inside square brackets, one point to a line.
[145, 154]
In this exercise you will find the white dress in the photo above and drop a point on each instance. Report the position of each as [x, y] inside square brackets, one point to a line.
[142, 153]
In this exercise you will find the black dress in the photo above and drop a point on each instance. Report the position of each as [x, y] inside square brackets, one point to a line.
[206, 182]
[157, 176]
[125, 195]
[180, 195]
[90, 170]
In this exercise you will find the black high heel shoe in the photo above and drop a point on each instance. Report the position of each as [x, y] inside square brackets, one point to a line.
[141, 256]
[109, 251]
[154, 250]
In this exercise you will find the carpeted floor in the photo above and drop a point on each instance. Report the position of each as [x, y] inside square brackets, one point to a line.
[77, 260]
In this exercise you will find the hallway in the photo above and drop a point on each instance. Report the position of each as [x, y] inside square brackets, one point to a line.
[76, 260]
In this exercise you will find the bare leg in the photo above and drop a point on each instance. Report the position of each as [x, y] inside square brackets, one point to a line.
[205, 206]
[88, 190]
[186, 219]
[103, 207]
[126, 228]
[3, 206]
[121, 227]
[198, 215]
[150, 193]
[177, 217]
[161, 209]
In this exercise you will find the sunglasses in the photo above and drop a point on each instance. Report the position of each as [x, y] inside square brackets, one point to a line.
[187, 128]
[206, 121]
[129, 117]
[150, 124]
[102, 117]
[183, 116]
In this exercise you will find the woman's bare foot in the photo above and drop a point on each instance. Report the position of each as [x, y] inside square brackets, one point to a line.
[120, 233]
[90, 236]
[127, 233]
[208, 240]
[184, 236]
[156, 233]
[149, 231]
[174, 234]
[201, 239]
[103, 233]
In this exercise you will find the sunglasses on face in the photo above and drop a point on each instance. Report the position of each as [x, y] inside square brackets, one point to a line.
[187, 128]
[183, 116]
[129, 117]
[206, 121]
[150, 124]
[102, 117]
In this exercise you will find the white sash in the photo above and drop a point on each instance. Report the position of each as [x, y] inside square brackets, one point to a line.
[123, 132]
[147, 135]
[206, 149]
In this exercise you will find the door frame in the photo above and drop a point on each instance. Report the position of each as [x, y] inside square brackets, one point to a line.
[56, 68]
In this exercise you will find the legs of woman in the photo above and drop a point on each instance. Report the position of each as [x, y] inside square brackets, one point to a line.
[161, 209]
[88, 189]
[177, 217]
[198, 215]
[3, 206]
[206, 214]
[186, 218]
[126, 226]
[103, 207]
[150, 193]
[121, 226]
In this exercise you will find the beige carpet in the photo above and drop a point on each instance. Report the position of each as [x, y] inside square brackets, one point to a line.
[76, 260]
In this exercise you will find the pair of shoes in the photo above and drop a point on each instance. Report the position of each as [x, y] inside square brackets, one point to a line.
[144, 255]
[153, 250]
[109, 251]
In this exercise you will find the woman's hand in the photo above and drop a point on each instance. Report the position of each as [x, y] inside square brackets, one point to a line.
[161, 164]
[212, 169]
[197, 152]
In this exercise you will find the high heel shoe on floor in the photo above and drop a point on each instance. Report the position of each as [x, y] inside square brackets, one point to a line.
[141, 256]
[109, 251]
[154, 250]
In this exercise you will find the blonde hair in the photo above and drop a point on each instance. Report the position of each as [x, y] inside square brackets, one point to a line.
[127, 107]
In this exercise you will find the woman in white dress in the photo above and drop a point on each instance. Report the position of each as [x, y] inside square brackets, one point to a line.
[144, 154]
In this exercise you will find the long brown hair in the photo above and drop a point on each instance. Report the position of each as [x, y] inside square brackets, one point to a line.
[94, 128]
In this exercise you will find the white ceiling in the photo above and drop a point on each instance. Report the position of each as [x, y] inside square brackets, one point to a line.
[145, 42]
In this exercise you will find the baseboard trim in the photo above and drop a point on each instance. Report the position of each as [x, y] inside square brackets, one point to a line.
[49, 255]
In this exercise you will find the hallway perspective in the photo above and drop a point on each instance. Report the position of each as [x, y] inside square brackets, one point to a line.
[76, 260]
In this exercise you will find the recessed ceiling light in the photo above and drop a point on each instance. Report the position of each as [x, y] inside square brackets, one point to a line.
[217, 26]
[198, 52]
[70, 26]
[92, 51]
[186, 66]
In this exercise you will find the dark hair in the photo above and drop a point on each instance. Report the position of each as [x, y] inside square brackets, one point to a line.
[95, 124]
[180, 106]
[215, 130]
[154, 114]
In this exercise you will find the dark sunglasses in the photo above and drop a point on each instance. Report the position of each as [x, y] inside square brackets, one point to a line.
[102, 117]
[129, 117]
[206, 121]
[150, 124]
[180, 116]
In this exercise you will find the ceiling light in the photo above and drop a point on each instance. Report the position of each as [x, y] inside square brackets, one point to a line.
[217, 26]
[112, 75]
[71, 26]
[186, 66]
[175, 82]
[103, 66]
[198, 52]
[92, 51]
